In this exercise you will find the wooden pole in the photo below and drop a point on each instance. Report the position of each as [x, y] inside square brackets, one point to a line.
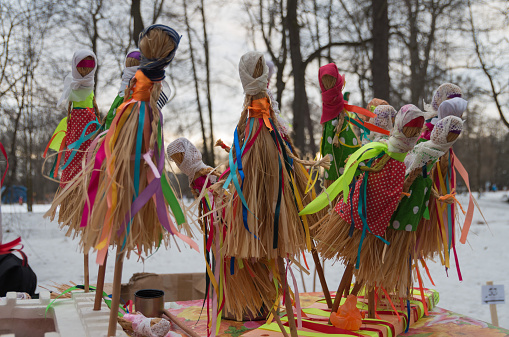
[87, 272]
[279, 323]
[356, 288]
[181, 325]
[347, 275]
[321, 276]
[371, 304]
[115, 298]
[348, 282]
[493, 309]
[100, 285]
[288, 300]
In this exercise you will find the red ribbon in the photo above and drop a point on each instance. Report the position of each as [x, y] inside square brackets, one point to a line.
[9, 247]
[7, 166]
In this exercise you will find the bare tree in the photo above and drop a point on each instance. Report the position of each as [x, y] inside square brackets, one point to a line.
[196, 82]
[496, 88]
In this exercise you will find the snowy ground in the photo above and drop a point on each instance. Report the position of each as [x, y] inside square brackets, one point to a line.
[54, 257]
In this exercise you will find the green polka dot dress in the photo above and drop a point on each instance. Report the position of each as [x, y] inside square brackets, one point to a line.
[347, 144]
[412, 209]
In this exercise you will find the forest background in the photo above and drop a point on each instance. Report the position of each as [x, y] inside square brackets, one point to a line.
[398, 50]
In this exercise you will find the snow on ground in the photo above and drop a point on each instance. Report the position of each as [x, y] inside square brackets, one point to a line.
[54, 257]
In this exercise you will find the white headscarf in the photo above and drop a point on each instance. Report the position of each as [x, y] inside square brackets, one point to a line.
[398, 142]
[452, 107]
[436, 146]
[127, 74]
[76, 87]
[247, 64]
[192, 161]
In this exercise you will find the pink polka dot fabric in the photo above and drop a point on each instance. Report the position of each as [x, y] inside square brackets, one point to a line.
[383, 191]
[78, 120]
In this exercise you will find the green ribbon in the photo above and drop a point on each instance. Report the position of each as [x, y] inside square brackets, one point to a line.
[342, 184]
[81, 287]
[171, 199]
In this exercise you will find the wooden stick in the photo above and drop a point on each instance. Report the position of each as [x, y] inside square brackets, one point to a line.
[279, 323]
[87, 273]
[321, 276]
[342, 285]
[100, 285]
[346, 292]
[356, 288]
[288, 300]
[115, 298]
[371, 304]
[181, 325]
[493, 309]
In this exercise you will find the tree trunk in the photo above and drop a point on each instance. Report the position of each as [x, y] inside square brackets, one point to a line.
[195, 79]
[380, 61]
[137, 19]
[300, 106]
[207, 70]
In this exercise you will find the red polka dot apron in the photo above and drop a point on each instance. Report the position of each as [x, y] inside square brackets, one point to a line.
[77, 122]
[383, 191]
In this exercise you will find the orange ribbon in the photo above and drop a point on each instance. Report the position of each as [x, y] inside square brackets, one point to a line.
[359, 110]
[260, 108]
[452, 195]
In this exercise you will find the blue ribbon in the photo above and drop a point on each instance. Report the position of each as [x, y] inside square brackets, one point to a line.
[362, 209]
[238, 167]
[232, 265]
[76, 145]
[137, 162]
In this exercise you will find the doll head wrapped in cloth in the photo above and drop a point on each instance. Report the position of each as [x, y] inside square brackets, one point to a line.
[444, 92]
[189, 161]
[443, 136]
[79, 84]
[385, 115]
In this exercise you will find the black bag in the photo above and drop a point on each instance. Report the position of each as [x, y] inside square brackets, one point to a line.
[16, 275]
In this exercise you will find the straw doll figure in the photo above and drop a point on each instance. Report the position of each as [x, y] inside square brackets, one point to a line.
[249, 291]
[82, 121]
[129, 162]
[128, 193]
[261, 211]
[338, 138]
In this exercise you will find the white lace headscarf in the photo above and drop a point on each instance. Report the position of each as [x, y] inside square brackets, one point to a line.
[436, 146]
[247, 65]
[398, 142]
[444, 92]
[192, 161]
[127, 74]
[452, 107]
[76, 87]
[383, 119]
